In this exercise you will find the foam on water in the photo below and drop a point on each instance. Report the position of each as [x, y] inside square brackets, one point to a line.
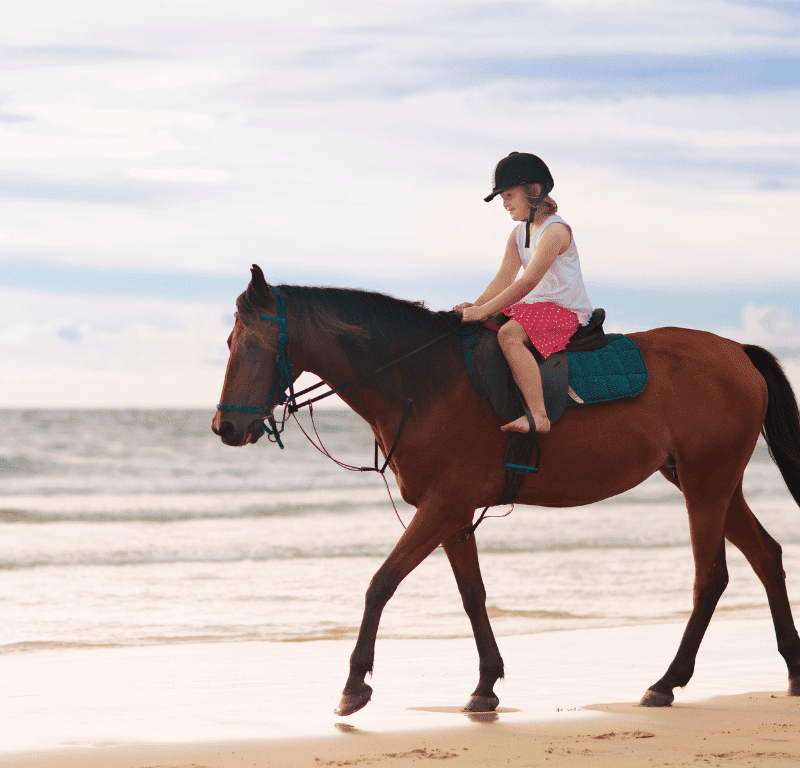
[127, 528]
[236, 691]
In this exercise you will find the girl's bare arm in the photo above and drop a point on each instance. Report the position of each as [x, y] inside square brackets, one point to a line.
[505, 275]
[554, 240]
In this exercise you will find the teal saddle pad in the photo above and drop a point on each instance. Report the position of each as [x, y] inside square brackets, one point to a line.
[613, 372]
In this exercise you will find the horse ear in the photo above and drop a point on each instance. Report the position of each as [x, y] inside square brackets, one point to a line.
[258, 288]
[257, 276]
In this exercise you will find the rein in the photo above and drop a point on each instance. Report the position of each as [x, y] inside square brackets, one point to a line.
[283, 380]
[283, 377]
[293, 407]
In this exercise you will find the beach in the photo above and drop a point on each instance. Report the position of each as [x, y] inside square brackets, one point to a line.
[171, 602]
[746, 730]
[569, 698]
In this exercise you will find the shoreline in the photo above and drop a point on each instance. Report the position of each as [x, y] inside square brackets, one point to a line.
[751, 729]
[184, 706]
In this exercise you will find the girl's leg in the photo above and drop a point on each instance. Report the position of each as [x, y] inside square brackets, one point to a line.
[515, 344]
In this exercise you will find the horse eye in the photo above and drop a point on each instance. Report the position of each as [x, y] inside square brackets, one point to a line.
[229, 340]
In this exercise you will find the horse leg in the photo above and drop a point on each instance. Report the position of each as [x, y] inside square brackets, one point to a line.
[463, 557]
[706, 527]
[427, 529]
[763, 553]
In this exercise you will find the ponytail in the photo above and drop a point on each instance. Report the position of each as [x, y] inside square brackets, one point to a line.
[542, 202]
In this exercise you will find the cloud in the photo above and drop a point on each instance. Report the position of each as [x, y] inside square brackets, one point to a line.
[769, 326]
[181, 175]
[99, 191]
[101, 352]
[173, 143]
[365, 141]
[776, 329]
[25, 56]
[625, 74]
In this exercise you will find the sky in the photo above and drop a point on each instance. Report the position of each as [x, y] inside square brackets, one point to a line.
[150, 152]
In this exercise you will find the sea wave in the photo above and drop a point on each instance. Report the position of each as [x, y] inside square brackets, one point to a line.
[368, 530]
[166, 507]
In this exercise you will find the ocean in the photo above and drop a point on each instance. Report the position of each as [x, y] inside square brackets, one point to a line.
[131, 528]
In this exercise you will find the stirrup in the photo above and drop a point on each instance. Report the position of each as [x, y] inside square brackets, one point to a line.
[525, 468]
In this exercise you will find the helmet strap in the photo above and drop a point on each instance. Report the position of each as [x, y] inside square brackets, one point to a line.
[534, 202]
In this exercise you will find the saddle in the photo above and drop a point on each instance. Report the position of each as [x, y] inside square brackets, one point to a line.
[491, 375]
[593, 368]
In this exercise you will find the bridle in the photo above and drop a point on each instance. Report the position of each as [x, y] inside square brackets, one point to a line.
[283, 379]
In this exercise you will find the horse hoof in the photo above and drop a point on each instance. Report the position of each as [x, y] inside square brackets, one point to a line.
[794, 686]
[481, 704]
[352, 702]
[653, 698]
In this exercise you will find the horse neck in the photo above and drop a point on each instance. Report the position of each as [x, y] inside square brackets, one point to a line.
[318, 351]
[322, 354]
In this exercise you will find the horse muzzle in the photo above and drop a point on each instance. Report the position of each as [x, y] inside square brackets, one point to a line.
[233, 432]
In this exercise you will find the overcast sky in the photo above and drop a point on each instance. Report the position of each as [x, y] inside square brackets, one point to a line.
[152, 151]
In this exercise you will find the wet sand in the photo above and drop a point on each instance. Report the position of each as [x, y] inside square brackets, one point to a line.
[757, 729]
[569, 698]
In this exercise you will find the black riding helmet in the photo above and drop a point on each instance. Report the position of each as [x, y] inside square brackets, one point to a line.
[522, 168]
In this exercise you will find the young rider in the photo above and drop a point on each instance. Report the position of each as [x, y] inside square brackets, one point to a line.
[548, 302]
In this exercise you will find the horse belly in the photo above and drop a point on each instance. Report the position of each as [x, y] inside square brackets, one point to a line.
[704, 405]
[596, 452]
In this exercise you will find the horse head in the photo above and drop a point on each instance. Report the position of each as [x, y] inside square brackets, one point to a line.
[258, 368]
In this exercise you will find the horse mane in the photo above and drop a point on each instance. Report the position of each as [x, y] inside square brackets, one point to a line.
[375, 329]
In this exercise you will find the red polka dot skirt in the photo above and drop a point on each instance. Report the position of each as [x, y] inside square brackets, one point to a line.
[549, 326]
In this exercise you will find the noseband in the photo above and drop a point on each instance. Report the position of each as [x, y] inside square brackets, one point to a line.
[282, 379]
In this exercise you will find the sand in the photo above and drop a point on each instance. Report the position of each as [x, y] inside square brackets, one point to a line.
[569, 699]
[757, 729]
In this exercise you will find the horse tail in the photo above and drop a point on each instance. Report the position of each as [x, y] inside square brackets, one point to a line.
[781, 428]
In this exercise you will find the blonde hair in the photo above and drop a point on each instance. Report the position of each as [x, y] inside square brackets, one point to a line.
[546, 204]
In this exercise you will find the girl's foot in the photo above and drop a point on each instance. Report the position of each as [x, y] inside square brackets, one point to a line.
[522, 424]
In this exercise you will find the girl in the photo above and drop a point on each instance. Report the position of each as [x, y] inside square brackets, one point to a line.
[548, 302]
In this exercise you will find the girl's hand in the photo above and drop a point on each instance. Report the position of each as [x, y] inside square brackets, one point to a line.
[461, 307]
[473, 314]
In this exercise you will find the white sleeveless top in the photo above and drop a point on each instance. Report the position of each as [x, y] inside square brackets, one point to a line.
[562, 284]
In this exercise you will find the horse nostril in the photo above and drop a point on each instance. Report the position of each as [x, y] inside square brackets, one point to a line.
[226, 429]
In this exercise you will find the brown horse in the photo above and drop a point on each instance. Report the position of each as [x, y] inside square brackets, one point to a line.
[696, 422]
